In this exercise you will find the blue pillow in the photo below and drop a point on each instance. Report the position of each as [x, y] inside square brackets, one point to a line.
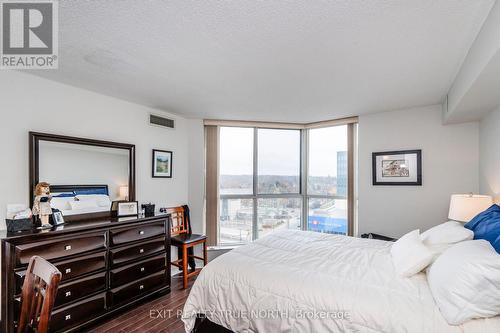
[486, 225]
[92, 191]
[64, 195]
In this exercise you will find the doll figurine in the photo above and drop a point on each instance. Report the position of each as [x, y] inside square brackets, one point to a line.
[41, 205]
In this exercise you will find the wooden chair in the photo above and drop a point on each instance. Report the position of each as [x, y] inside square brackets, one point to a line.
[183, 239]
[38, 296]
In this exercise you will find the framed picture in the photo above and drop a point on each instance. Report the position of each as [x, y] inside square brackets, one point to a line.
[58, 218]
[129, 208]
[114, 207]
[162, 164]
[402, 167]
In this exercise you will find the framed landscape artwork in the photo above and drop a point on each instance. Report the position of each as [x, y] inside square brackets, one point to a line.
[402, 167]
[162, 164]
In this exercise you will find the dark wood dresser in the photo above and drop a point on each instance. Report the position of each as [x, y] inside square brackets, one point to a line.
[107, 265]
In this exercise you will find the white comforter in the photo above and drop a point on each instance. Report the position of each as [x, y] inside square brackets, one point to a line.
[299, 281]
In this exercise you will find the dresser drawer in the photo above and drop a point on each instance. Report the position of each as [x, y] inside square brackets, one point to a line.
[127, 235]
[138, 288]
[121, 276]
[124, 254]
[58, 248]
[71, 268]
[81, 265]
[75, 290]
[77, 313]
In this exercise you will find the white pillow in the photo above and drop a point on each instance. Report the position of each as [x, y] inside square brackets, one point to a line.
[101, 199]
[410, 255]
[441, 237]
[83, 204]
[61, 203]
[465, 282]
[447, 233]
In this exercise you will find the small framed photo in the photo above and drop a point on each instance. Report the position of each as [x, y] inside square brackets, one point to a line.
[129, 208]
[402, 167]
[114, 207]
[58, 218]
[162, 164]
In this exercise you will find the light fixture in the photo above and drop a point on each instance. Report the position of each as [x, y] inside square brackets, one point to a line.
[124, 192]
[464, 207]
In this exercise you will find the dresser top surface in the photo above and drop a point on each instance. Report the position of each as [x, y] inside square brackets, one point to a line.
[71, 227]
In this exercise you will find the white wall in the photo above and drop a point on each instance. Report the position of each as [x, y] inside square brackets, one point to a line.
[30, 103]
[449, 165]
[489, 153]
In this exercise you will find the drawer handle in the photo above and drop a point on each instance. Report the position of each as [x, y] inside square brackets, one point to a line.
[68, 294]
[141, 250]
[68, 270]
[142, 269]
[141, 232]
[67, 247]
[141, 287]
[68, 317]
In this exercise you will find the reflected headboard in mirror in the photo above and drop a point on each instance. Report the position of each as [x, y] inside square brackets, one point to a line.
[69, 193]
[63, 161]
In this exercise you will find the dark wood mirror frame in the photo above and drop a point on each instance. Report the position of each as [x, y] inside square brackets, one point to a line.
[34, 166]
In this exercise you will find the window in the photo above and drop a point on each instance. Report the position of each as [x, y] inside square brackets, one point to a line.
[272, 179]
[236, 220]
[327, 180]
[236, 160]
[278, 213]
[278, 161]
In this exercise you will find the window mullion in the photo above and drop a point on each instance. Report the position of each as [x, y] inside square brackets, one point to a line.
[304, 181]
[255, 182]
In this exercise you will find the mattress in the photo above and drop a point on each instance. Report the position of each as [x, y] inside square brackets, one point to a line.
[301, 281]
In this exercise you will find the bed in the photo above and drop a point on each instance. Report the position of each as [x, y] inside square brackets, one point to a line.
[301, 281]
[70, 193]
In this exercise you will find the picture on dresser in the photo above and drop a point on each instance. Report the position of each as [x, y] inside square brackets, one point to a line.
[402, 167]
[58, 218]
[162, 164]
[127, 208]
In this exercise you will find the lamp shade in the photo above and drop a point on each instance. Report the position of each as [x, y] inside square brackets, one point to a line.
[464, 207]
[124, 192]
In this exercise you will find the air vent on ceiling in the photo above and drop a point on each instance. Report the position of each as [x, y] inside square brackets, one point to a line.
[161, 121]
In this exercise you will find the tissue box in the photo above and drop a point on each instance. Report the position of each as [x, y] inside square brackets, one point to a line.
[19, 224]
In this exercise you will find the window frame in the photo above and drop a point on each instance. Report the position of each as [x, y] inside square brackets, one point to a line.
[303, 194]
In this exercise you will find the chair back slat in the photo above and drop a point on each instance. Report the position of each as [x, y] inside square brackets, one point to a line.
[178, 219]
[38, 295]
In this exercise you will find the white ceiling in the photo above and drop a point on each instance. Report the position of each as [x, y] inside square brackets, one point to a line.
[299, 61]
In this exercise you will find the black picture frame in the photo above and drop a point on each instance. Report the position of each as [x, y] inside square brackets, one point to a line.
[418, 182]
[114, 207]
[58, 218]
[154, 172]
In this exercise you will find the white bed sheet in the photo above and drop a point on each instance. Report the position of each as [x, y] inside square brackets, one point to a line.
[289, 275]
[69, 212]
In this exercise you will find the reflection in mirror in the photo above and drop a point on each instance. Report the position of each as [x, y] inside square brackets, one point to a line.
[65, 165]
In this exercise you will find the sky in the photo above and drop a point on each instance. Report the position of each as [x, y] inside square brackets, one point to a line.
[279, 151]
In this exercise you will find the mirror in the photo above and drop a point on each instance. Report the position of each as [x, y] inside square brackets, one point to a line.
[85, 175]
[65, 164]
